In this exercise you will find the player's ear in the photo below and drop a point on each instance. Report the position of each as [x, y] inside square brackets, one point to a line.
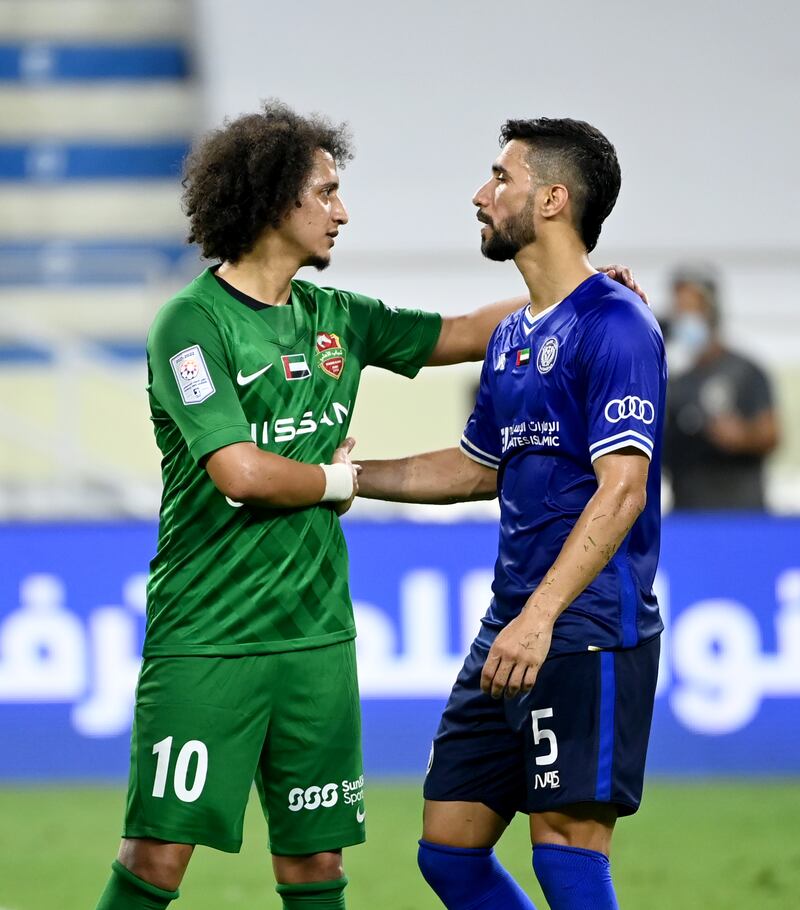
[554, 199]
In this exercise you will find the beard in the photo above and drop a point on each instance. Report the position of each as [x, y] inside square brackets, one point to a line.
[505, 242]
[320, 263]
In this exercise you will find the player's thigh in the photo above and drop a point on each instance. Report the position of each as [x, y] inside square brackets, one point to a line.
[199, 726]
[586, 724]
[477, 759]
[310, 775]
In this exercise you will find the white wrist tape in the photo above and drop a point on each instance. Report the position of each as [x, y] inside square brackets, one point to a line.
[338, 482]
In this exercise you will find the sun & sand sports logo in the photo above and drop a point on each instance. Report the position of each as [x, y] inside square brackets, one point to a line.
[330, 354]
[327, 796]
[632, 407]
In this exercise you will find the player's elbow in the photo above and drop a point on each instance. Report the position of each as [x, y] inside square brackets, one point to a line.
[239, 488]
[633, 499]
[486, 487]
[235, 473]
[628, 497]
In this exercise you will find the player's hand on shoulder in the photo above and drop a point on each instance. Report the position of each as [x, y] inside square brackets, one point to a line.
[624, 275]
[516, 655]
[342, 456]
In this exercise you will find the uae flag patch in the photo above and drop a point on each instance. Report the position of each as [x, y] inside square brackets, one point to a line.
[330, 354]
[523, 357]
[295, 366]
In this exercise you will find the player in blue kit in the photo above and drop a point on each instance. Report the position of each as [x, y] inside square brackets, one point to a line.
[551, 712]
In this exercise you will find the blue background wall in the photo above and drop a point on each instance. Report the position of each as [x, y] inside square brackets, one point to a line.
[72, 620]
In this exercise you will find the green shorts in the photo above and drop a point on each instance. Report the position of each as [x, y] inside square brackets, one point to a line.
[205, 728]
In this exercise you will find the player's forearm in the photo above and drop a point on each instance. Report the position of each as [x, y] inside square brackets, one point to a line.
[438, 478]
[603, 525]
[246, 474]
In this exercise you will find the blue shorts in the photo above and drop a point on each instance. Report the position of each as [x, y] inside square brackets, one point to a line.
[580, 735]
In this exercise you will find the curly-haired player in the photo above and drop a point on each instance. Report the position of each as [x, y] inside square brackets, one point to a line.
[249, 666]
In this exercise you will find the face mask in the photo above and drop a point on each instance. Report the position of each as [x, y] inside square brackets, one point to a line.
[691, 332]
[689, 337]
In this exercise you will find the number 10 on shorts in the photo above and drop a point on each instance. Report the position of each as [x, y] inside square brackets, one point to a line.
[180, 782]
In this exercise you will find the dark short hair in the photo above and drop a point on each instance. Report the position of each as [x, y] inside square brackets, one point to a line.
[578, 155]
[247, 175]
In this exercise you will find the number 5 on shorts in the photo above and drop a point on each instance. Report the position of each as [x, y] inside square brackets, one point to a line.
[184, 793]
[540, 733]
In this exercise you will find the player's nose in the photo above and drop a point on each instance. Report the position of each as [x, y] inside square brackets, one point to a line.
[340, 215]
[480, 198]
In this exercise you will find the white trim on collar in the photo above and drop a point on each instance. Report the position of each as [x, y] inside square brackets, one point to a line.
[532, 320]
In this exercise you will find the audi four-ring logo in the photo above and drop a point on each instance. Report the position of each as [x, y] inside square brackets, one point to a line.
[630, 406]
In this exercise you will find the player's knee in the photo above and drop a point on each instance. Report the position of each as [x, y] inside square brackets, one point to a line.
[316, 867]
[156, 862]
[585, 825]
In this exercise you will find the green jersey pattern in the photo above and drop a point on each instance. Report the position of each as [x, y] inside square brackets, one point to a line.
[235, 579]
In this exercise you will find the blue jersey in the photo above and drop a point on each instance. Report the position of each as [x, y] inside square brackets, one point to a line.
[582, 379]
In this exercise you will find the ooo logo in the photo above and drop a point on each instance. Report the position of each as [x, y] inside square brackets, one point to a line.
[313, 797]
[630, 406]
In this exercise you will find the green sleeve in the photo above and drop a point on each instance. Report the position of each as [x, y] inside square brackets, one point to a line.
[398, 340]
[190, 378]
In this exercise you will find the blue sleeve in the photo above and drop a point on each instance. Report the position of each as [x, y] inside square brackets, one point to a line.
[621, 360]
[481, 438]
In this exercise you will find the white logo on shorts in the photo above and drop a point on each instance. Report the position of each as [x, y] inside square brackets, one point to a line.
[548, 779]
[312, 798]
[360, 815]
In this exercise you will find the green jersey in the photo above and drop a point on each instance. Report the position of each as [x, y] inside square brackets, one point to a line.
[234, 579]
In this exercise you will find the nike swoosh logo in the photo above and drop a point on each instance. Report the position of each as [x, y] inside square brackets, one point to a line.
[241, 379]
[360, 815]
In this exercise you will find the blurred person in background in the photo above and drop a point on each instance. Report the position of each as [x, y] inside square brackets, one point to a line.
[721, 422]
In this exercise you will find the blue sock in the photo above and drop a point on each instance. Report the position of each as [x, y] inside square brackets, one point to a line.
[574, 879]
[466, 879]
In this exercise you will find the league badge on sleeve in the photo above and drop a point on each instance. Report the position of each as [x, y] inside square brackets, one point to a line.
[192, 376]
[330, 354]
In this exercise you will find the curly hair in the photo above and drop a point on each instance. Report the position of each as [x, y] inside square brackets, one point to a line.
[579, 155]
[246, 176]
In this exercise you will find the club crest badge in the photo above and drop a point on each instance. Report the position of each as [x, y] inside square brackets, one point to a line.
[548, 354]
[330, 354]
